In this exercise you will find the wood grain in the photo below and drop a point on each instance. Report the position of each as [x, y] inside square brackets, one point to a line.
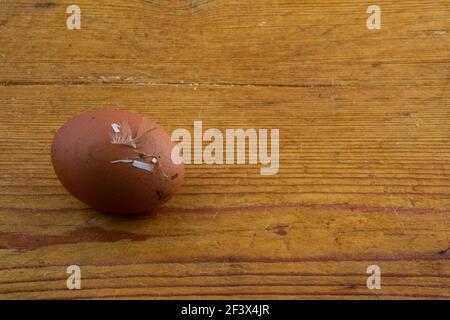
[364, 121]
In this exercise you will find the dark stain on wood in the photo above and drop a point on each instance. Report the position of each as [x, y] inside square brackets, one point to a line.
[279, 229]
[27, 242]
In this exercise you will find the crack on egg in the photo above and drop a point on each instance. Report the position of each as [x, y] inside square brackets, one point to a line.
[123, 135]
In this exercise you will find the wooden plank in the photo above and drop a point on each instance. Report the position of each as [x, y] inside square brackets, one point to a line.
[235, 42]
[362, 181]
[364, 139]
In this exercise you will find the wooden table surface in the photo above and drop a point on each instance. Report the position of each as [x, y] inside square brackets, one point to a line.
[364, 119]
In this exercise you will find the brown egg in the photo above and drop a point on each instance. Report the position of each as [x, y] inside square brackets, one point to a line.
[116, 161]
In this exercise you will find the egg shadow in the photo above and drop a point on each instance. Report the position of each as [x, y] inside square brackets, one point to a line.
[122, 217]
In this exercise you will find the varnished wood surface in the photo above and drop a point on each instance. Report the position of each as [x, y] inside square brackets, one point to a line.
[364, 119]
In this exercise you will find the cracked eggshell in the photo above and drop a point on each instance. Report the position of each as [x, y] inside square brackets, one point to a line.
[82, 152]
